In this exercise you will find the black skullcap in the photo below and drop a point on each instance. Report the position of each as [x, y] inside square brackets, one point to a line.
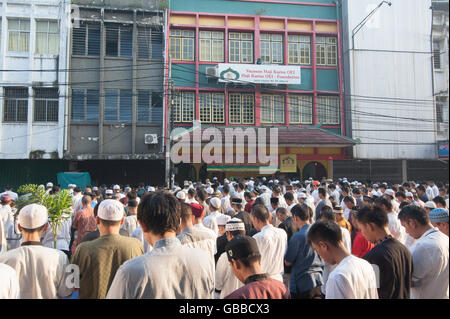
[242, 247]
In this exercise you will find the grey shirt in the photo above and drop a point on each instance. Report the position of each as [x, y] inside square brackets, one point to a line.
[198, 236]
[169, 271]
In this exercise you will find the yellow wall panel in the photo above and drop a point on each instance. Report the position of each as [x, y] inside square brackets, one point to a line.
[271, 24]
[326, 27]
[301, 151]
[329, 151]
[299, 26]
[212, 21]
[180, 19]
[241, 22]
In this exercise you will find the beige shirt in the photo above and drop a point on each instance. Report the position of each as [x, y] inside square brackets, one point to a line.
[99, 260]
[42, 271]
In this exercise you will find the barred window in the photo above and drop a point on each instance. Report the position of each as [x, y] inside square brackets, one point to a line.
[271, 48]
[182, 45]
[212, 107]
[85, 105]
[326, 49]
[46, 105]
[300, 109]
[150, 43]
[241, 108]
[149, 108]
[211, 46]
[272, 108]
[86, 39]
[183, 107]
[47, 37]
[118, 106]
[240, 47]
[119, 40]
[299, 49]
[437, 55]
[328, 109]
[19, 35]
[16, 105]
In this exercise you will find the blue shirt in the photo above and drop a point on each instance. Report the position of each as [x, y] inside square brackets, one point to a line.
[307, 266]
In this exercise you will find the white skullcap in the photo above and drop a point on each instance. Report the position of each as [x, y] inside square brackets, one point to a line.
[209, 190]
[390, 192]
[49, 185]
[215, 202]
[409, 194]
[181, 195]
[110, 209]
[150, 189]
[430, 204]
[302, 195]
[235, 224]
[109, 192]
[225, 180]
[222, 220]
[33, 216]
[95, 188]
[116, 187]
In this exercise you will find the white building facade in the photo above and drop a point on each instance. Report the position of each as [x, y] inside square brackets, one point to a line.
[388, 74]
[33, 78]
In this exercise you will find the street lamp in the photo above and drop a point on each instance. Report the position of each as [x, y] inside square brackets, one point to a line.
[364, 21]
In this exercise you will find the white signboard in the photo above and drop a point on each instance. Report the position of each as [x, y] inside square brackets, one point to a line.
[256, 73]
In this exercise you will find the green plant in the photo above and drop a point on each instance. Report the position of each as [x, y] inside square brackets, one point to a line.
[58, 205]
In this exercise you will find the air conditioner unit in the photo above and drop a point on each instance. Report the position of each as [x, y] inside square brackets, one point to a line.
[211, 73]
[151, 138]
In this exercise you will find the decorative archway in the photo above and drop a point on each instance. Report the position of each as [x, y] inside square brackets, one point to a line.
[316, 170]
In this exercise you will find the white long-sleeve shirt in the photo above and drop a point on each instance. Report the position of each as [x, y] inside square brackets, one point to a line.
[430, 259]
[210, 222]
[9, 287]
[272, 244]
[396, 228]
[226, 281]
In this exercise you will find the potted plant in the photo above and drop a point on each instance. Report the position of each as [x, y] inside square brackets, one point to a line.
[59, 205]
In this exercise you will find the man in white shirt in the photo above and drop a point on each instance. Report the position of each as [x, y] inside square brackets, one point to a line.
[225, 201]
[352, 277]
[76, 199]
[191, 196]
[265, 195]
[171, 270]
[272, 242]
[210, 221]
[42, 271]
[395, 226]
[430, 255]
[131, 223]
[390, 195]
[6, 215]
[9, 284]
[226, 282]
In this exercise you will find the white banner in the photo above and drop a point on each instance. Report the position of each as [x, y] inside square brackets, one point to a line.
[258, 73]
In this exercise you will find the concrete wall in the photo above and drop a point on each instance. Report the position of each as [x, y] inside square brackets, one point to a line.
[389, 79]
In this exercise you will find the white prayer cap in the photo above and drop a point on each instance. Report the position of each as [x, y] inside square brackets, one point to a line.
[181, 195]
[430, 204]
[116, 187]
[264, 179]
[330, 180]
[226, 181]
[302, 189]
[235, 224]
[50, 184]
[95, 188]
[409, 194]
[222, 220]
[150, 189]
[417, 185]
[110, 209]
[127, 189]
[109, 192]
[359, 184]
[209, 190]
[186, 183]
[33, 216]
[375, 185]
[302, 195]
[390, 192]
[271, 181]
[264, 188]
[276, 181]
[71, 186]
[307, 182]
[215, 202]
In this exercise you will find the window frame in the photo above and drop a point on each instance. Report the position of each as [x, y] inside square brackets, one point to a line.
[119, 27]
[272, 108]
[302, 98]
[20, 34]
[88, 27]
[299, 50]
[120, 95]
[216, 111]
[326, 46]
[16, 104]
[271, 43]
[86, 94]
[178, 109]
[243, 98]
[146, 33]
[240, 48]
[47, 100]
[48, 33]
[327, 111]
[181, 37]
[210, 43]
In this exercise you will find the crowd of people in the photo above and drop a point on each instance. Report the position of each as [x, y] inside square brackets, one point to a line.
[249, 238]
